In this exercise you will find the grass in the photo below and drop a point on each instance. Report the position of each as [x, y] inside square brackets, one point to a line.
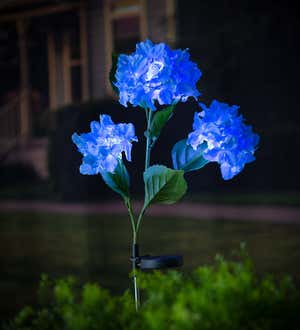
[98, 247]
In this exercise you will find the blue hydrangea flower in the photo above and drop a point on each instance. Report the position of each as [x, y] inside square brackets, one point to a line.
[103, 146]
[154, 72]
[230, 142]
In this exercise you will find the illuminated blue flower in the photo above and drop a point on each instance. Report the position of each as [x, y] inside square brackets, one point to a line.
[103, 146]
[230, 142]
[154, 72]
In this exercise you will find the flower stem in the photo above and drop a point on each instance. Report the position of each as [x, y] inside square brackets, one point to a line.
[148, 138]
[131, 216]
[147, 160]
[134, 253]
[134, 225]
[140, 219]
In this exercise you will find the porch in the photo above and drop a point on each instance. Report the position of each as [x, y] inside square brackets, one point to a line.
[53, 53]
[44, 59]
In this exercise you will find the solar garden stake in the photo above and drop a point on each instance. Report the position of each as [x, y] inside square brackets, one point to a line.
[135, 263]
[155, 74]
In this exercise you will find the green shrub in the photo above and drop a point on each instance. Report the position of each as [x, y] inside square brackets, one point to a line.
[226, 295]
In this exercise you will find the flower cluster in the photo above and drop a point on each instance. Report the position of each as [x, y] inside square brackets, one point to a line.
[154, 72]
[230, 142]
[103, 146]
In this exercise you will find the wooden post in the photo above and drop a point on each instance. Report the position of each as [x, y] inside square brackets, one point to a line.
[143, 20]
[108, 35]
[171, 21]
[25, 114]
[67, 67]
[52, 71]
[84, 51]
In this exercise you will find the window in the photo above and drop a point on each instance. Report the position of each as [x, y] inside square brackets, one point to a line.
[67, 58]
[126, 34]
[125, 25]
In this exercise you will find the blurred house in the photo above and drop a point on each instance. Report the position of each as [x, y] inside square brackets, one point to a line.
[53, 53]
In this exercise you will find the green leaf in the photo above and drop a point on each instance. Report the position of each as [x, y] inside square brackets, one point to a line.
[159, 120]
[119, 180]
[186, 158]
[163, 185]
[112, 73]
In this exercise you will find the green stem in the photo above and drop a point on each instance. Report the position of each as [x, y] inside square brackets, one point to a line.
[134, 241]
[135, 226]
[148, 138]
[140, 219]
[147, 160]
[147, 163]
[131, 216]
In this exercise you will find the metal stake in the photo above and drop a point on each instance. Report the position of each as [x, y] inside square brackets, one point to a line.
[135, 259]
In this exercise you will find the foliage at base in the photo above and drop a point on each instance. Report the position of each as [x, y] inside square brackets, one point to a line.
[225, 296]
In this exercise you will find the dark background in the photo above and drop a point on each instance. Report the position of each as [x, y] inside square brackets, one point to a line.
[248, 52]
